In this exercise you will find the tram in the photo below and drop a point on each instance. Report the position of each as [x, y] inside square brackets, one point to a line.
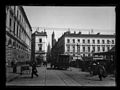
[62, 61]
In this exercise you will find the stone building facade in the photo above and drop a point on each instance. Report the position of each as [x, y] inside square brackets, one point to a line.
[18, 35]
[39, 45]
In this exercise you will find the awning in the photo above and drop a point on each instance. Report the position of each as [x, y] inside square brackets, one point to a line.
[40, 52]
[104, 53]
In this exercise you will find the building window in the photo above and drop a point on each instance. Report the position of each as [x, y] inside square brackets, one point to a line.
[88, 41]
[40, 40]
[103, 41]
[83, 49]
[98, 41]
[40, 47]
[20, 17]
[83, 55]
[103, 48]
[73, 48]
[68, 48]
[17, 30]
[93, 41]
[10, 24]
[112, 41]
[14, 29]
[83, 40]
[78, 48]
[93, 49]
[98, 49]
[68, 40]
[88, 55]
[17, 13]
[108, 48]
[73, 40]
[108, 41]
[88, 49]
[78, 40]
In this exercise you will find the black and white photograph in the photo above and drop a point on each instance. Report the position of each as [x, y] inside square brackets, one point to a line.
[60, 45]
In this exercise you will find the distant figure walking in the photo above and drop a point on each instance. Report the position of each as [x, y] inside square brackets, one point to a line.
[34, 70]
[45, 63]
[98, 69]
[101, 71]
[14, 66]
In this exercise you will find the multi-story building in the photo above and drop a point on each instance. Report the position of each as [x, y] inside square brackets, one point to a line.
[18, 35]
[83, 44]
[39, 44]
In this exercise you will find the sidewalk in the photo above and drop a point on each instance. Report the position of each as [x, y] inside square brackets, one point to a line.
[10, 75]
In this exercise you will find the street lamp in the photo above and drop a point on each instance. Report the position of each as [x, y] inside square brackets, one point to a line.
[77, 55]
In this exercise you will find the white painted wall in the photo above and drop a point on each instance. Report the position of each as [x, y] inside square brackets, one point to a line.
[44, 43]
[86, 43]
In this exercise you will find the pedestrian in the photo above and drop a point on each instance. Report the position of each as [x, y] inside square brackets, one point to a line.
[14, 66]
[93, 69]
[100, 66]
[34, 70]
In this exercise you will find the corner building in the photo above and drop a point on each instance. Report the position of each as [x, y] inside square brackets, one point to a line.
[18, 35]
[83, 44]
[39, 46]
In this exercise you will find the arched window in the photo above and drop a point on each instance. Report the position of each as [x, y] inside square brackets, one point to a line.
[108, 41]
[88, 41]
[78, 40]
[83, 40]
[98, 41]
[73, 40]
[112, 41]
[103, 41]
[68, 40]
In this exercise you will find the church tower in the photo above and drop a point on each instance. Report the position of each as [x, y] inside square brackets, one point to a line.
[53, 39]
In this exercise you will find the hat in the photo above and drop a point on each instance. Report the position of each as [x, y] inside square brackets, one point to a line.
[94, 63]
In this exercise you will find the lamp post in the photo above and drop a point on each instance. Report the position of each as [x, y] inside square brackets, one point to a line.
[77, 56]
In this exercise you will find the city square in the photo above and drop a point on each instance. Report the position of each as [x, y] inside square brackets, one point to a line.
[41, 51]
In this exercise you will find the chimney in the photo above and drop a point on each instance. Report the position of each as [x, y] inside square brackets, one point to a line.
[79, 32]
[91, 31]
[98, 33]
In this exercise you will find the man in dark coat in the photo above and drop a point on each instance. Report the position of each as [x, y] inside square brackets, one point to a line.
[34, 70]
[101, 71]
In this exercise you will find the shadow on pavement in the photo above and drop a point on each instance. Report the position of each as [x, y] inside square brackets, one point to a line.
[50, 69]
[24, 77]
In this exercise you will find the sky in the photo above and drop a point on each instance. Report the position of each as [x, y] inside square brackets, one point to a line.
[75, 18]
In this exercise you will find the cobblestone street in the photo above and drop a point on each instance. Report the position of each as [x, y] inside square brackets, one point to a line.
[51, 77]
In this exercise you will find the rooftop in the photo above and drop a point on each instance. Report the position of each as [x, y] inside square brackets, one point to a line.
[68, 34]
[42, 33]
